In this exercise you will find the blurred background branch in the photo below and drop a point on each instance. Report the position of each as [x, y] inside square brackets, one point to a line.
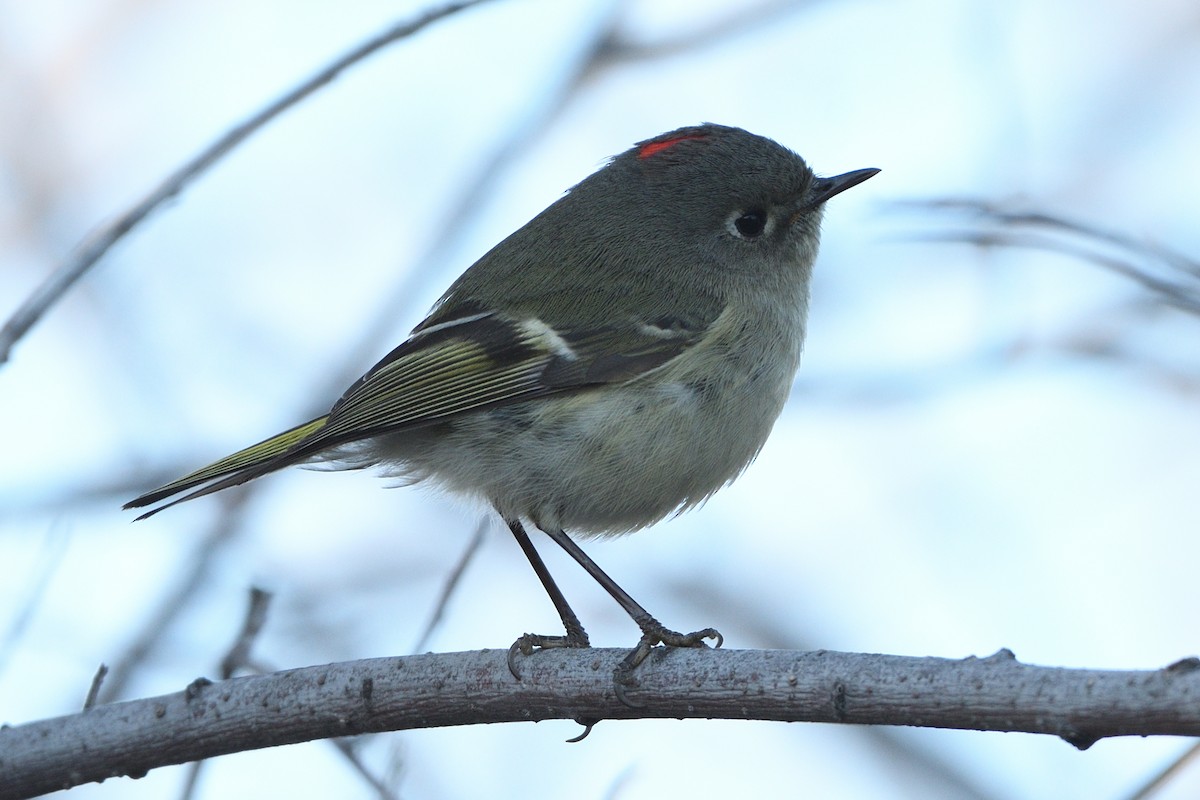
[966, 418]
[97, 244]
[1167, 277]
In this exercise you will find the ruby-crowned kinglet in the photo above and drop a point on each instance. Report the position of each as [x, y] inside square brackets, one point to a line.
[618, 359]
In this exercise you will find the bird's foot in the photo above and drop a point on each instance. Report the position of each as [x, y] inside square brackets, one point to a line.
[654, 634]
[529, 642]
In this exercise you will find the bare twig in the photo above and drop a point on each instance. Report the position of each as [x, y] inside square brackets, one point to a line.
[452, 580]
[94, 689]
[192, 781]
[719, 28]
[225, 529]
[54, 549]
[1171, 770]
[996, 227]
[95, 246]
[348, 750]
[237, 657]
[996, 693]
[256, 615]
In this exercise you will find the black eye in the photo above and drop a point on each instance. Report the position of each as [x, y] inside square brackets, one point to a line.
[751, 223]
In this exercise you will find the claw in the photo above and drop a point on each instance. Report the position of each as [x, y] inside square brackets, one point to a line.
[693, 639]
[517, 647]
[528, 642]
[587, 724]
[623, 677]
[653, 633]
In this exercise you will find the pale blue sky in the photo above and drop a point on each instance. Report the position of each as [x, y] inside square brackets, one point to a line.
[954, 473]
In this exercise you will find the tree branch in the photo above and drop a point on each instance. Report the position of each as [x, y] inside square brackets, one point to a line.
[996, 693]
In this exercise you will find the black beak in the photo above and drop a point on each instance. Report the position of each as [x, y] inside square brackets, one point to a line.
[824, 188]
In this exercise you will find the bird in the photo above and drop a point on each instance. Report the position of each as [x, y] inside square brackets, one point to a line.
[615, 361]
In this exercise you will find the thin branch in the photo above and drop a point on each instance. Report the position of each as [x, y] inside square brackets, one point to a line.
[93, 248]
[1170, 771]
[226, 528]
[256, 616]
[719, 28]
[997, 227]
[191, 783]
[53, 552]
[237, 657]
[94, 689]
[348, 750]
[452, 581]
[425, 691]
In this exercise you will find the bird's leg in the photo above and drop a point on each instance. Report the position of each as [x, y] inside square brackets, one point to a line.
[653, 631]
[576, 636]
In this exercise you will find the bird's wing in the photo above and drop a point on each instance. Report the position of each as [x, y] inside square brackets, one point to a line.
[456, 366]
[483, 361]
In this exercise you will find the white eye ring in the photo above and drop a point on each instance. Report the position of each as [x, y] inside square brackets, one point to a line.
[749, 224]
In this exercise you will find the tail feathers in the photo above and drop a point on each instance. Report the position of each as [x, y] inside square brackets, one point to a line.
[255, 461]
